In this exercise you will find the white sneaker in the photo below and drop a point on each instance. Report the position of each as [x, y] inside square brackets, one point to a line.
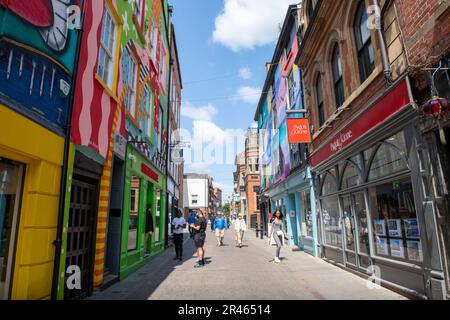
[277, 260]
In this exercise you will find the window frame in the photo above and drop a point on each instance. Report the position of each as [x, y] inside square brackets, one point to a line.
[320, 101]
[338, 78]
[111, 85]
[134, 104]
[364, 49]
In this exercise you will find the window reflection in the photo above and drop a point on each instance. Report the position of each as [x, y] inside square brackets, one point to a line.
[134, 214]
[395, 223]
[331, 221]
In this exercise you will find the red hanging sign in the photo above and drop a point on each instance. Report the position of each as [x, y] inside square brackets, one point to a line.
[298, 131]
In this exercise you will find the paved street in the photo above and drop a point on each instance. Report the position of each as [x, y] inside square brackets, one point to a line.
[247, 273]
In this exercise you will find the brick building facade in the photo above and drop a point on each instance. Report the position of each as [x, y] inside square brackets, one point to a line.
[382, 198]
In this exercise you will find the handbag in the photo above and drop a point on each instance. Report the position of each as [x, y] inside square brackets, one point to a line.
[280, 233]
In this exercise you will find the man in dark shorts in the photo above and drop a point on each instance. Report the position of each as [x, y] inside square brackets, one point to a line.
[199, 238]
[148, 228]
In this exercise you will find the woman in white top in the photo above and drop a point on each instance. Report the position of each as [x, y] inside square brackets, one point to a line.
[240, 226]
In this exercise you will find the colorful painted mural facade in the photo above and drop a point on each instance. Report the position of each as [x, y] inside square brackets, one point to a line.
[119, 116]
[286, 181]
[37, 56]
[118, 131]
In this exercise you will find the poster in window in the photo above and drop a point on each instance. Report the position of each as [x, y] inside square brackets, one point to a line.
[411, 228]
[380, 228]
[397, 249]
[414, 249]
[381, 246]
[395, 227]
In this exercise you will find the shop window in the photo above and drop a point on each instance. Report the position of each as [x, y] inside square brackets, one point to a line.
[134, 214]
[107, 51]
[388, 160]
[307, 223]
[329, 184]
[11, 177]
[363, 43]
[331, 221]
[395, 223]
[351, 175]
[337, 77]
[158, 214]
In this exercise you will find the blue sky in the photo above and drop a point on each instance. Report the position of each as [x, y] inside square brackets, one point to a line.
[223, 46]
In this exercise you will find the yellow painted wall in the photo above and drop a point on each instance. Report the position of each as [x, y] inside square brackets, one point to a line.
[42, 151]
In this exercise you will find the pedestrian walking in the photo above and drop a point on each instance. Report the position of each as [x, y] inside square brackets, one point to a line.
[220, 224]
[191, 221]
[212, 218]
[277, 234]
[199, 228]
[240, 226]
[148, 228]
[179, 224]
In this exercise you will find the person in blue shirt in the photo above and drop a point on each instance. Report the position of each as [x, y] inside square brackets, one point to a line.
[220, 224]
[191, 221]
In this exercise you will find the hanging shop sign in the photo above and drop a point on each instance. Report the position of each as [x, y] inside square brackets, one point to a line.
[389, 105]
[150, 173]
[298, 131]
[120, 145]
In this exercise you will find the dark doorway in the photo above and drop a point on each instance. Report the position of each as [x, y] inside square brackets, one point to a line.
[112, 255]
[82, 224]
[81, 233]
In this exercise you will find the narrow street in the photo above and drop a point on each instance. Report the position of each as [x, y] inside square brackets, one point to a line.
[242, 274]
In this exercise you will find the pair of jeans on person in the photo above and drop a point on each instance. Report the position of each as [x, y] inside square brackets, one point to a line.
[178, 242]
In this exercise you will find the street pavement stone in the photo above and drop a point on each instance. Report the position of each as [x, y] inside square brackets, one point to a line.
[246, 273]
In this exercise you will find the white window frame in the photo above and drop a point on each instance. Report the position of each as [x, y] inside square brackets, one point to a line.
[107, 76]
[131, 93]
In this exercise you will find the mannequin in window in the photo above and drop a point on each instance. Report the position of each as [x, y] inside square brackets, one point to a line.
[348, 228]
[149, 228]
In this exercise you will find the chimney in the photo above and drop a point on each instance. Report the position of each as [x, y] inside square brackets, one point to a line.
[268, 64]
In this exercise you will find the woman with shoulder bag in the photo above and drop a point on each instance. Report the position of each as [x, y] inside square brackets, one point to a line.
[277, 233]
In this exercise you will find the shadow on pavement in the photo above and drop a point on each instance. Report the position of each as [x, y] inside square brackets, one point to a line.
[143, 283]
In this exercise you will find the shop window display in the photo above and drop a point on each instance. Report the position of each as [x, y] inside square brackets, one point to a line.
[331, 221]
[395, 224]
[307, 223]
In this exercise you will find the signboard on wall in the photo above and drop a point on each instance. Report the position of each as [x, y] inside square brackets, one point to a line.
[298, 131]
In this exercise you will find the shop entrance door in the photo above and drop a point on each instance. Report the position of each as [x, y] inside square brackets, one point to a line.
[356, 236]
[11, 177]
[348, 225]
[81, 234]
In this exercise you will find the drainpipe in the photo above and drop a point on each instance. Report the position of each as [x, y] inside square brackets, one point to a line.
[62, 189]
[169, 91]
[384, 54]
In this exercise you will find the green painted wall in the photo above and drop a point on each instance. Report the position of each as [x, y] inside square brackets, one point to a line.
[130, 261]
[62, 264]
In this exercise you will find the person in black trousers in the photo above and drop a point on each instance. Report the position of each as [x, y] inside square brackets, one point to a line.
[179, 224]
[148, 228]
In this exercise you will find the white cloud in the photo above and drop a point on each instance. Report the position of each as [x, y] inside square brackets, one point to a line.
[201, 113]
[245, 73]
[248, 95]
[246, 24]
